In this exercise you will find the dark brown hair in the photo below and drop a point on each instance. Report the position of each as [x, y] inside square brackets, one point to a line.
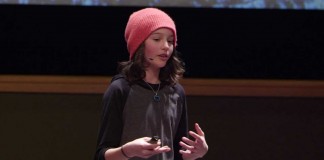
[134, 69]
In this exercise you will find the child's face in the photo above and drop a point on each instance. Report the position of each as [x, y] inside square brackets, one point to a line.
[159, 47]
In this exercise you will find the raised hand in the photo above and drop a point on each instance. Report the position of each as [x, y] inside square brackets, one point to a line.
[194, 148]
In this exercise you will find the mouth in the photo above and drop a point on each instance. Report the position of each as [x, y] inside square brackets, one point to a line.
[164, 57]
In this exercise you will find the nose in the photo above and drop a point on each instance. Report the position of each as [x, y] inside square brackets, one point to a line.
[166, 45]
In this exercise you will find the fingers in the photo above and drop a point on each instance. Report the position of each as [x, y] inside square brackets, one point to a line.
[142, 147]
[146, 153]
[186, 146]
[200, 133]
[162, 149]
[149, 149]
[199, 136]
[146, 139]
[185, 152]
[149, 146]
[199, 130]
[188, 141]
[194, 148]
[189, 151]
[198, 139]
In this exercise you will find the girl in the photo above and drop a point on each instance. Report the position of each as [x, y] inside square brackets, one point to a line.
[145, 100]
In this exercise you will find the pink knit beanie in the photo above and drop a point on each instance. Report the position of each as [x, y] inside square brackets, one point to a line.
[142, 23]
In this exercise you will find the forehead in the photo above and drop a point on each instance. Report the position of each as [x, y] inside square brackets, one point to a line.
[163, 31]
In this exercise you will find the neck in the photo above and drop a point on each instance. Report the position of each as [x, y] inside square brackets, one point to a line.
[152, 76]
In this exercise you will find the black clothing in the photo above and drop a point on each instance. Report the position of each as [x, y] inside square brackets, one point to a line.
[129, 112]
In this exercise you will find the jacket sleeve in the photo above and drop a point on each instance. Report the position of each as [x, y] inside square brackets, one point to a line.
[182, 130]
[111, 123]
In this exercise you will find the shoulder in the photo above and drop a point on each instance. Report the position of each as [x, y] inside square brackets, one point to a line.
[179, 89]
[118, 85]
[119, 81]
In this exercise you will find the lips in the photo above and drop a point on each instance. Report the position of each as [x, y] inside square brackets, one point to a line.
[164, 57]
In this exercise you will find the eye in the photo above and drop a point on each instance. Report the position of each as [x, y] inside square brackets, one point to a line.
[155, 38]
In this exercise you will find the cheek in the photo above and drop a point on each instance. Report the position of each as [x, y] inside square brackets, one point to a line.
[149, 50]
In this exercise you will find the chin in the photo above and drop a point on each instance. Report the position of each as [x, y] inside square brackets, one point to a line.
[161, 65]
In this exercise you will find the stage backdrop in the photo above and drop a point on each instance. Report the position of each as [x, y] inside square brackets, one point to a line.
[258, 4]
[214, 42]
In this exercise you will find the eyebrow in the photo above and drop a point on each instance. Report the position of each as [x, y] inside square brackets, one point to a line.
[161, 33]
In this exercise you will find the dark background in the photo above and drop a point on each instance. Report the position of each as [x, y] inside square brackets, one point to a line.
[64, 126]
[215, 43]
